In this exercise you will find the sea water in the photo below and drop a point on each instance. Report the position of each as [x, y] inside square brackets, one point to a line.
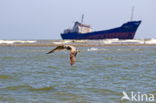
[100, 75]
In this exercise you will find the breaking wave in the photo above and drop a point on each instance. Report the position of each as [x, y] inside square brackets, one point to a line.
[15, 41]
[108, 41]
[150, 41]
[63, 42]
[117, 41]
[69, 41]
[134, 41]
[81, 42]
[96, 49]
[92, 49]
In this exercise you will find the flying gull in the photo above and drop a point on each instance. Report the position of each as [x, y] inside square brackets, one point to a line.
[73, 52]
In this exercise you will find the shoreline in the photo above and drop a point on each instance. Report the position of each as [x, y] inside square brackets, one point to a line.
[77, 45]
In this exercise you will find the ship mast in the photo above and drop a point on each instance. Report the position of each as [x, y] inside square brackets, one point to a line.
[132, 13]
[82, 18]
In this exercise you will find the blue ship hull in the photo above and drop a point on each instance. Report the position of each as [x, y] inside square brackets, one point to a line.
[126, 31]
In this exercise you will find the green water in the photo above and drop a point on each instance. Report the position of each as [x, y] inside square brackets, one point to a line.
[28, 75]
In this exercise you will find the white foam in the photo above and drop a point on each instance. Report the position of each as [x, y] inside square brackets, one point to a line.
[15, 41]
[92, 49]
[150, 41]
[63, 42]
[80, 41]
[110, 41]
[58, 43]
[132, 41]
[67, 41]
[117, 41]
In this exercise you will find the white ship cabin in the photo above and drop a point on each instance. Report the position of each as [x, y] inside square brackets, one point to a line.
[79, 28]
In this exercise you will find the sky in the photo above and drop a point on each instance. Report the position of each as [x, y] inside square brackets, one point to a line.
[46, 19]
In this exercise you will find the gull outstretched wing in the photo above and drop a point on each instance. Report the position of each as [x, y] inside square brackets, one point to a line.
[58, 48]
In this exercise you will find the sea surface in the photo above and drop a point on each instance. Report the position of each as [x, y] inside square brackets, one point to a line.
[100, 75]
